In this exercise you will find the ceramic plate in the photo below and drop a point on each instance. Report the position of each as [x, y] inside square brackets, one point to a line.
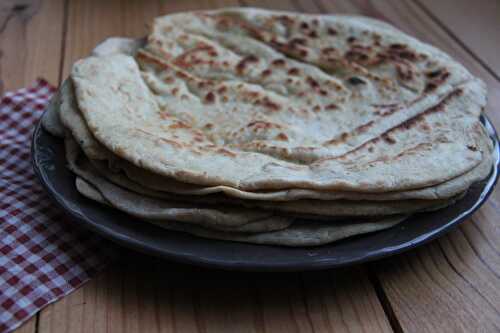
[49, 164]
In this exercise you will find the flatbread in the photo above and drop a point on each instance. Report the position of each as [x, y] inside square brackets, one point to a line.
[316, 209]
[237, 124]
[93, 149]
[308, 207]
[163, 211]
[443, 190]
[312, 208]
[50, 120]
[183, 114]
[298, 234]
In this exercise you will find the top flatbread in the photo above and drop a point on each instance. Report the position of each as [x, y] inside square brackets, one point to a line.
[259, 95]
[74, 121]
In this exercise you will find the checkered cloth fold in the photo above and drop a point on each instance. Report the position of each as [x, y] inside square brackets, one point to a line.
[42, 256]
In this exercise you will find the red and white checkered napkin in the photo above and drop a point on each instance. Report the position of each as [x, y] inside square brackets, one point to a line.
[42, 256]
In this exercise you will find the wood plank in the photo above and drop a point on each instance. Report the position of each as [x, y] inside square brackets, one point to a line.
[438, 289]
[341, 300]
[409, 17]
[90, 22]
[451, 284]
[175, 298]
[328, 306]
[344, 300]
[30, 41]
[31, 33]
[27, 327]
[480, 253]
[473, 24]
[145, 294]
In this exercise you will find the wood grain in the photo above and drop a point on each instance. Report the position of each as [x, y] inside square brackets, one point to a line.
[409, 17]
[330, 309]
[92, 21]
[31, 35]
[28, 327]
[175, 298]
[30, 41]
[143, 294]
[449, 285]
[440, 287]
[474, 24]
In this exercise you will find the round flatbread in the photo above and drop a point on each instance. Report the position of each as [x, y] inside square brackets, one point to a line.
[280, 100]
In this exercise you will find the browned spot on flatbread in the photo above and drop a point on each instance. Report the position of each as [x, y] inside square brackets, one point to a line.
[403, 126]
[437, 108]
[178, 125]
[328, 51]
[354, 80]
[152, 60]
[198, 139]
[387, 111]
[410, 151]
[303, 53]
[297, 41]
[404, 72]
[282, 137]
[188, 58]
[401, 51]
[241, 66]
[270, 105]
[278, 62]
[331, 31]
[312, 82]
[266, 72]
[171, 142]
[356, 56]
[436, 78]
[164, 115]
[226, 152]
[181, 75]
[263, 124]
[363, 128]
[158, 139]
[339, 139]
[388, 139]
[313, 34]
[209, 98]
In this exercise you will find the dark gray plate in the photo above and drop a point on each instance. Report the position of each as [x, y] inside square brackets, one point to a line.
[49, 165]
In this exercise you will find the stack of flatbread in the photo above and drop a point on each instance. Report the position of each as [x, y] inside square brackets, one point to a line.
[271, 127]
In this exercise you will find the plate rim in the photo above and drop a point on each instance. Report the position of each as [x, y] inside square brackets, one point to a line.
[313, 264]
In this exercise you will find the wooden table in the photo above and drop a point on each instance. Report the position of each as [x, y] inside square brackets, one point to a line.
[452, 284]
